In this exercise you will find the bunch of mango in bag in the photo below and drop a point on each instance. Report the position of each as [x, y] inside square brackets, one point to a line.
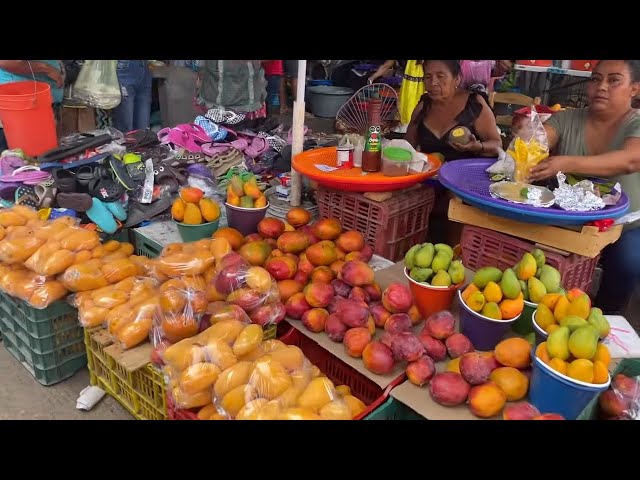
[245, 193]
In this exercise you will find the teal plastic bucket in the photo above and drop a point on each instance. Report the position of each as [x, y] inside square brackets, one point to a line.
[193, 233]
[553, 392]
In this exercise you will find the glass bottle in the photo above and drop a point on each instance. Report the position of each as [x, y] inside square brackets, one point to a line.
[372, 154]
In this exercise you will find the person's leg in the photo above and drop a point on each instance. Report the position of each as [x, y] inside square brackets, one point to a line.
[123, 114]
[273, 94]
[142, 105]
[291, 71]
[621, 273]
[284, 99]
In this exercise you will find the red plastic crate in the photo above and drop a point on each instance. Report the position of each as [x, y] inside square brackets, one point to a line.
[335, 369]
[486, 248]
[390, 227]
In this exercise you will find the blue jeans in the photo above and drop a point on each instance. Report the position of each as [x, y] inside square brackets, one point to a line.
[134, 110]
[621, 273]
[273, 89]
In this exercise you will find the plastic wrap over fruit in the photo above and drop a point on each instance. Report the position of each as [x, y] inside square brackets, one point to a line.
[622, 400]
[37, 290]
[186, 259]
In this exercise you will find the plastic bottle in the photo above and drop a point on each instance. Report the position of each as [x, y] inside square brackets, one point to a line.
[372, 154]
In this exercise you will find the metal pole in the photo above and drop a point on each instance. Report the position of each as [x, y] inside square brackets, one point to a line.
[298, 132]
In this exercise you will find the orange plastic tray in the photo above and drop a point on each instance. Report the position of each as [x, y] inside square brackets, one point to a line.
[353, 180]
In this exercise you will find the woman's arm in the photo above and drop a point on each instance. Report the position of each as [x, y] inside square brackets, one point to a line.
[21, 67]
[412, 129]
[382, 69]
[619, 162]
[488, 141]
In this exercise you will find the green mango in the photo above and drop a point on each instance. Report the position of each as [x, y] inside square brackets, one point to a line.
[246, 202]
[599, 322]
[424, 256]
[537, 290]
[456, 272]
[486, 275]
[573, 322]
[583, 342]
[539, 256]
[441, 279]
[443, 247]
[550, 277]
[421, 274]
[558, 343]
[409, 258]
[510, 284]
[441, 262]
[525, 289]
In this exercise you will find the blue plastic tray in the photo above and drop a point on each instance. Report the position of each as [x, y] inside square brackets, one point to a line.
[469, 180]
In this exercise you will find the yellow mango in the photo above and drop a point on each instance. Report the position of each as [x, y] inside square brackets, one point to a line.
[269, 378]
[561, 308]
[512, 308]
[544, 316]
[252, 190]
[355, 404]
[581, 369]
[248, 339]
[237, 398]
[178, 210]
[580, 307]
[492, 310]
[232, 377]
[558, 365]
[298, 414]
[476, 301]
[260, 202]
[251, 410]
[527, 267]
[492, 292]
[198, 377]
[318, 393]
[210, 209]
[232, 197]
[192, 215]
[550, 300]
[600, 372]
[336, 410]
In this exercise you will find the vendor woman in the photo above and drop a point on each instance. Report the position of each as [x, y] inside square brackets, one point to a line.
[604, 140]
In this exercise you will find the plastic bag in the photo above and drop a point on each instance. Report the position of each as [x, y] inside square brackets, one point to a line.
[529, 147]
[181, 308]
[186, 259]
[622, 400]
[251, 288]
[37, 290]
[97, 84]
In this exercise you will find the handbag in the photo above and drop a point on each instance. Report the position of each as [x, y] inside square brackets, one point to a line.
[97, 84]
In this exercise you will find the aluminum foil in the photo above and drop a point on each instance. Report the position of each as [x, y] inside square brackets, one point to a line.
[580, 197]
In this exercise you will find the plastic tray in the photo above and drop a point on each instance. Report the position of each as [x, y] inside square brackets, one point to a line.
[353, 180]
[335, 369]
[485, 248]
[390, 227]
[469, 180]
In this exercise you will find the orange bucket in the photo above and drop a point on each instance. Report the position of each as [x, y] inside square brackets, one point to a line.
[430, 300]
[27, 116]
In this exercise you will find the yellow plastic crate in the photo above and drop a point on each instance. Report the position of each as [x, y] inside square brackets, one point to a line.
[141, 392]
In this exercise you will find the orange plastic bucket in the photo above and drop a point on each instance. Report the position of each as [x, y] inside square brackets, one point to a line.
[27, 116]
[430, 300]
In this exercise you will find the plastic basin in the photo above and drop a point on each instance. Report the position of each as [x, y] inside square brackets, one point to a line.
[193, 233]
[429, 299]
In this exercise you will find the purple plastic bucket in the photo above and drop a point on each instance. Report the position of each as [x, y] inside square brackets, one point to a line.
[245, 220]
[484, 332]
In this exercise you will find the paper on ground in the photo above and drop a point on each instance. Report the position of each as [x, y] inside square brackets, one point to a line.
[623, 341]
[89, 397]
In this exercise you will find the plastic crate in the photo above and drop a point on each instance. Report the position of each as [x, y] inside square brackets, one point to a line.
[57, 317]
[390, 227]
[48, 368]
[141, 392]
[335, 369]
[629, 367]
[486, 248]
[392, 409]
[145, 246]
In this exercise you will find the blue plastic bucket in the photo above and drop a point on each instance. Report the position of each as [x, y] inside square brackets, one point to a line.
[541, 335]
[484, 332]
[553, 392]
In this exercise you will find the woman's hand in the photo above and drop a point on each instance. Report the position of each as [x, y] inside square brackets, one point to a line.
[472, 146]
[549, 167]
[56, 75]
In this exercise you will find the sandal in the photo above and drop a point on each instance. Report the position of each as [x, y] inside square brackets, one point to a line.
[215, 133]
[26, 195]
[46, 193]
[119, 169]
[178, 138]
[135, 167]
[138, 139]
[101, 216]
[219, 115]
[196, 131]
[65, 180]
[105, 189]
[258, 146]
[78, 145]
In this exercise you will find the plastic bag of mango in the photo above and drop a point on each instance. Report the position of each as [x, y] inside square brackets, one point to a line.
[529, 147]
[229, 372]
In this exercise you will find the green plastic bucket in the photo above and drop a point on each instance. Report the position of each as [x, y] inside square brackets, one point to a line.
[193, 233]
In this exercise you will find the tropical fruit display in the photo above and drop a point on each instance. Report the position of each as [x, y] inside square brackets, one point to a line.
[571, 310]
[495, 294]
[434, 265]
[228, 372]
[243, 191]
[621, 401]
[536, 277]
[193, 208]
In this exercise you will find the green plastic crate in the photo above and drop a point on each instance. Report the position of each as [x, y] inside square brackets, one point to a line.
[121, 236]
[145, 246]
[629, 367]
[47, 369]
[392, 409]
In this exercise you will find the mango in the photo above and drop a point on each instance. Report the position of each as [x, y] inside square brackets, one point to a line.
[581, 369]
[581, 306]
[476, 301]
[251, 189]
[424, 256]
[441, 261]
[441, 279]
[512, 308]
[550, 300]
[492, 292]
[558, 343]
[537, 290]
[192, 215]
[552, 328]
[246, 202]
[456, 272]
[561, 309]
[558, 365]
[443, 247]
[232, 197]
[492, 310]
[318, 393]
[510, 285]
[583, 342]
[471, 288]
[410, 256]
[525, 289]
[550, 277]
[600, 372]
[573, 323]
[602, 355]
[236, 185]
[513, 352]
[486, 275]
[544, 316]
[539, 257]
[177, 210]
[210, 209]
[260, 202]
[527, 267]
[599, 322]
[420, 274]
[542, 353]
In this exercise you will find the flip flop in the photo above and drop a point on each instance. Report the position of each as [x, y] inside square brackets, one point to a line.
[138, 139]
[258, 146]
[120, 171]
[215, 133]
[117, 210]
[135, 167]
[179, 138]
[219, 115]
[101, 216]
[199, 170]
[26, 195]
[46, 192]
[139, 212]
[65, 180]
[28, 174]
[8, 190]
[9, 163]
[195, 131]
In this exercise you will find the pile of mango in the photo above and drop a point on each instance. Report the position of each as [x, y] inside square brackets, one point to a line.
[495, 294]
[536, 277]
[245, 193]
[575, 328]
[193, 208]
[434, 265]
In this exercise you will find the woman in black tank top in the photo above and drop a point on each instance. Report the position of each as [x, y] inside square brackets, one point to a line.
[446, 106]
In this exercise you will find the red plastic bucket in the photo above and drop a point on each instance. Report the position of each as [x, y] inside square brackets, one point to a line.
[27, 116]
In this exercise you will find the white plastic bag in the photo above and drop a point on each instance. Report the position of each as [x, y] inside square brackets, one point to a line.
[419, 161]
[97, 84]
